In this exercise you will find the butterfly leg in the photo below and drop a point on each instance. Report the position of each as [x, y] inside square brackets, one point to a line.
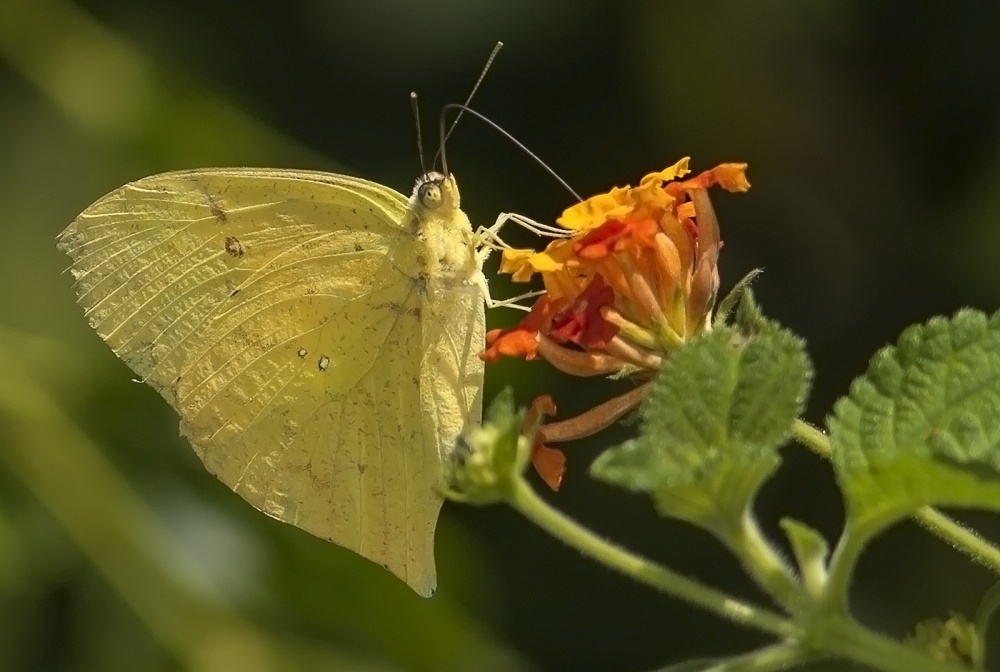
[484, 288]
[512, 302]
[488, 237]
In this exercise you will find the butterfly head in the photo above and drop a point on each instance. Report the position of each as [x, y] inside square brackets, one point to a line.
[436, 192]
[450, 255]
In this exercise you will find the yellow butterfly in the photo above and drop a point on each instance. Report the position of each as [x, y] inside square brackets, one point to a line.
[318, 335]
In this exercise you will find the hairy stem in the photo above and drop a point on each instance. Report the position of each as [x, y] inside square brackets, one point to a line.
[533, 507]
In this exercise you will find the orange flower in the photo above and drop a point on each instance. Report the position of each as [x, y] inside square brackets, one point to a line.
[634, 277]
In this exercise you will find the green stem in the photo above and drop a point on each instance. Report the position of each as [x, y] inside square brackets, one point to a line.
[959, 536]
[948, 529]
[528, 503]
[833, 635]
[766, 565]
[846, 638]
[842, 561]
[812, 437]
[783, 656]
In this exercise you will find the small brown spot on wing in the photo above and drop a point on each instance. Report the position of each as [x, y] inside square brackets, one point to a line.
[234, 247]
[324, 363]
[302, 353]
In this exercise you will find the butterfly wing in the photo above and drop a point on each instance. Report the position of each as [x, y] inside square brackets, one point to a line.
[452, 373]
[280, 313]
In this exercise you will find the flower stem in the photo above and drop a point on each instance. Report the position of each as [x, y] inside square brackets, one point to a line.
[767, 565]
[783, 656]
[959, 537]
[945, 528]
[528, 503]
[812, 437]
[846, 638]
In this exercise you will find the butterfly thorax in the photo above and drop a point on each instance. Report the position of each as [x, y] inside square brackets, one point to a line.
[449, 258]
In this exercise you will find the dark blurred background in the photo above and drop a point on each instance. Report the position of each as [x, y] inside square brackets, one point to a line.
[871, 130]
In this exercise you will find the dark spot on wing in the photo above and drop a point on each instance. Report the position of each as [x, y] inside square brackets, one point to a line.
[394, 306]
[235, 247]
[302, 353]
[324, 363]
[358, 247]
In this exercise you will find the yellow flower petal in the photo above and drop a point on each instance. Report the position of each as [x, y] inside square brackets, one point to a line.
[518, 264]
[679, 169]
[543, 262]
[522, 264]
[622, 201]
[732, 176]
[595, 210]
[651, 194]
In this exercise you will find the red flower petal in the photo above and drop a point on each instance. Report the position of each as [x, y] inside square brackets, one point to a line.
[515, 342]
[599, 242]
[641, 233]
[550, 463]
[522, 340]
[582, 323]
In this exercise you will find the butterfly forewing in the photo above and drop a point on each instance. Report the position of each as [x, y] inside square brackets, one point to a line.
[284, 316]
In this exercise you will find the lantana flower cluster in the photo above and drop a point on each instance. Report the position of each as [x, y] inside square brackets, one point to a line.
[634, 277]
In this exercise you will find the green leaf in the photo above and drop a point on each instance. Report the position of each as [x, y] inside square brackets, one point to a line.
[505, 418]
[810, 549]
[712, 424]
[922, 426]
[741, 296]
[750, 318]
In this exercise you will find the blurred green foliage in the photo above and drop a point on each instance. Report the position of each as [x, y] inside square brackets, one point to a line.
[872, 130]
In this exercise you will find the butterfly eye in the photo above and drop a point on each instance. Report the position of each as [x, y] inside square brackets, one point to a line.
[430, 195]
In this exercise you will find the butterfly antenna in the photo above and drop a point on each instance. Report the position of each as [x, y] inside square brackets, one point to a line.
[415, 106]
[468, 100]
[517, 143]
